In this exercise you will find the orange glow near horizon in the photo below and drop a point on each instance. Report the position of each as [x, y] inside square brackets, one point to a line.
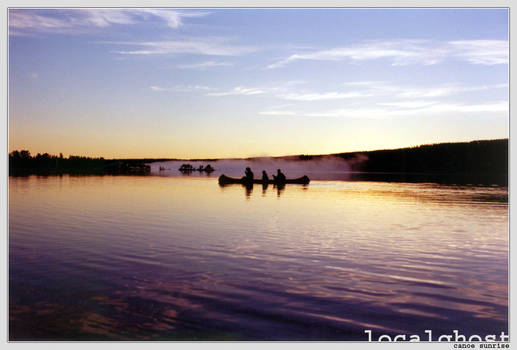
[154, 145]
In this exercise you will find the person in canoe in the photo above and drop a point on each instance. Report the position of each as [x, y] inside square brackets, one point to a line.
[248, 175]
[265, 178]
[280, 177]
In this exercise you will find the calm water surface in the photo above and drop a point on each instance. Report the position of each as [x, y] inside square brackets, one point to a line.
[169, 258]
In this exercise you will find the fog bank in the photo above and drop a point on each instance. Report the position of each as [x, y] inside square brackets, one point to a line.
[318, 168]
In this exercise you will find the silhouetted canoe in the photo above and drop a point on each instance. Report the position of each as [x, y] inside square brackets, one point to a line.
[226, 180]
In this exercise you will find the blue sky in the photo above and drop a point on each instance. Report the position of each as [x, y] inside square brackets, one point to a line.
[250, 82]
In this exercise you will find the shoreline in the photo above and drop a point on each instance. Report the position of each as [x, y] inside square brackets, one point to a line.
[475, 159]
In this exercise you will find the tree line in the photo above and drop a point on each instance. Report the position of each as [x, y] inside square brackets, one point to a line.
[23, 163]
[476, 157]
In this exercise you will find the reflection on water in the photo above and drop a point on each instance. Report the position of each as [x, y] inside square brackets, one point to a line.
[183, 258]
[248, 188]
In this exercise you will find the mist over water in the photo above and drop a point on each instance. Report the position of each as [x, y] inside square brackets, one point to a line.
[324, 168]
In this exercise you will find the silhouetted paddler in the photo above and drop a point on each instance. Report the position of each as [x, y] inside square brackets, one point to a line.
[248, 174]
[265, 178]
[280, 177]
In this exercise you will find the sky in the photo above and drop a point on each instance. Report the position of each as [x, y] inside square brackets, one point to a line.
[215, 83]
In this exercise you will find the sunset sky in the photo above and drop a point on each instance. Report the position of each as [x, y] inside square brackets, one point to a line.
[198, 83]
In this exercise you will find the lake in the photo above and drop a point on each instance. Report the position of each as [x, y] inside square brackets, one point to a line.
[171, 257]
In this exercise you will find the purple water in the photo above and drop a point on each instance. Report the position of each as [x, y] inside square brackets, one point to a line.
[179, 257]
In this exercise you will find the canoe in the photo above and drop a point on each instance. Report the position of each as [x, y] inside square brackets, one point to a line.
[226, 180]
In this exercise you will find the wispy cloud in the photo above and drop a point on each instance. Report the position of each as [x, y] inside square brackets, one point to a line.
[157, 88]
[181, 88]
[200, 46]
[173, 18]
[323, 96]
[204, 65]
[386, 89]
[401, 52]
[405, 52]
[487, 52]
[500, 106]
[274, 112]
[371, 92]
[433, 91]
[365, 83]
[240, 90]
[397, 110]
[278, 89]
[365, 89]
[408, 104]
[72, 21]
